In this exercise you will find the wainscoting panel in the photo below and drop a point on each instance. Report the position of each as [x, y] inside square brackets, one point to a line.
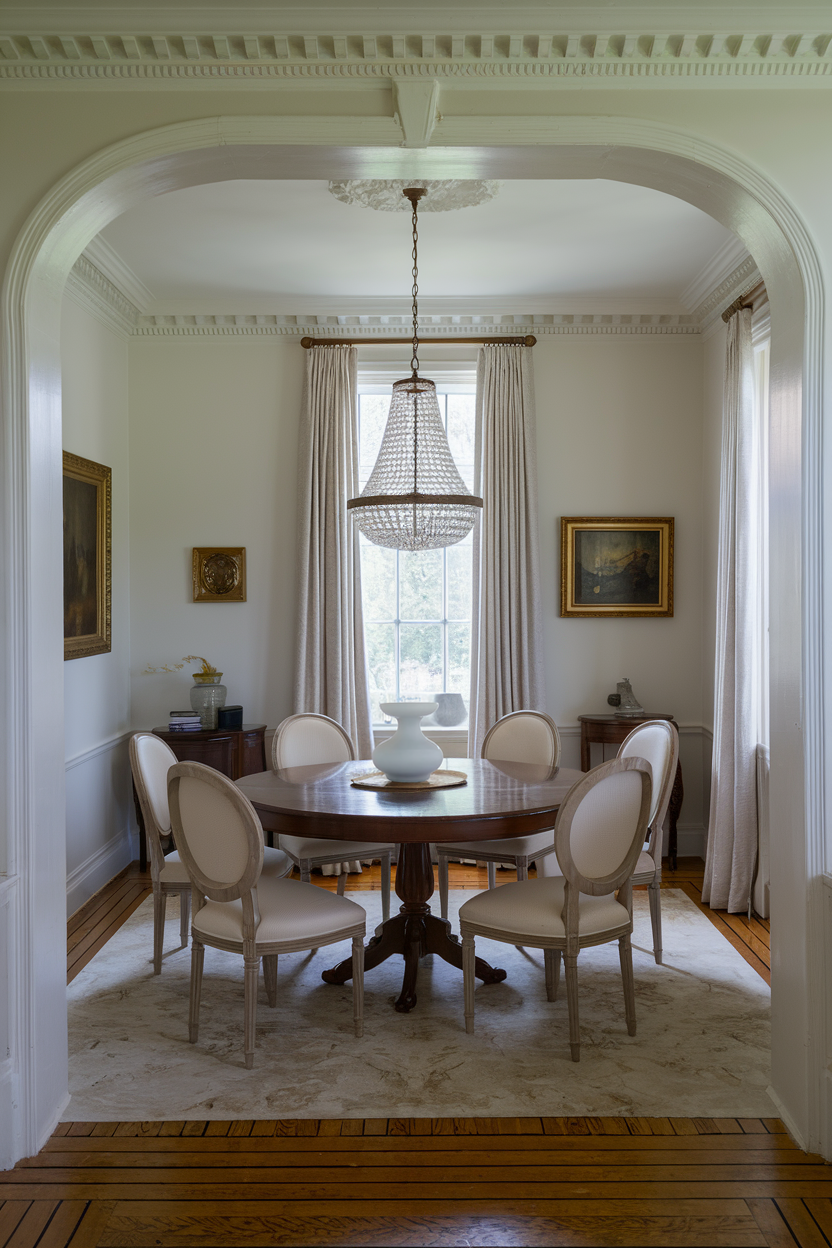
[98, 818]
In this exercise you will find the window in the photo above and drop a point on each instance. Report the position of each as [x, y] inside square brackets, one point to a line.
[417, 605]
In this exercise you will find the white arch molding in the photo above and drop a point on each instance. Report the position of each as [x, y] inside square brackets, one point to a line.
[33, 1078]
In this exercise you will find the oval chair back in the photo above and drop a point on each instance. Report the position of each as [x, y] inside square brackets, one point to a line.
[217, 832]
[151, 759]
[600, 829]
[658, 742]
[523, 737]
[302, 740]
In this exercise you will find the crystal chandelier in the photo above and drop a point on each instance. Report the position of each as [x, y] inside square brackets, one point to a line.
[415, 498]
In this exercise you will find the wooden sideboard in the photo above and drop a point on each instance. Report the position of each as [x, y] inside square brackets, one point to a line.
[612, 730]
[235, 752]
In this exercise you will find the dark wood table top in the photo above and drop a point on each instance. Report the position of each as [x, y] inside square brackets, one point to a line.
[623, 719]
[500, 799]
[201, 733]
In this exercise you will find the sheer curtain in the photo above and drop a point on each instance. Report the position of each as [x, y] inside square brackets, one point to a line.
[732, 828]
[331, 673]
[506, 632]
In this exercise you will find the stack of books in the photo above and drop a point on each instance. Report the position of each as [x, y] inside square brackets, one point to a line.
[184, 721]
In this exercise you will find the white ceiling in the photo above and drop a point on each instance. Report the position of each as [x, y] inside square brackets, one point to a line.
[289, 246]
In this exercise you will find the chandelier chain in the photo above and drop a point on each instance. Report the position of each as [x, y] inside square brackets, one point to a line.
[414, 363]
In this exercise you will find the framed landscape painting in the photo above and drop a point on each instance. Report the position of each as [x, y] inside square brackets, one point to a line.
[87, 557]
[616, 565]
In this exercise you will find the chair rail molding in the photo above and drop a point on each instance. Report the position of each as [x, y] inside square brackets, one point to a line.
[82, 202]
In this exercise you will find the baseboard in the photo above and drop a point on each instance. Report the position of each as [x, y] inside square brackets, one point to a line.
[787, 1120]
[691, 841]
[98, 869]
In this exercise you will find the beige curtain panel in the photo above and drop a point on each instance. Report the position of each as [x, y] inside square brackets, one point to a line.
[732, 828]
[331, 671]
[506, 641]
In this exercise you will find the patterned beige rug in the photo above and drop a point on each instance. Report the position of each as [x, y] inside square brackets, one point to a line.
[702, 1048]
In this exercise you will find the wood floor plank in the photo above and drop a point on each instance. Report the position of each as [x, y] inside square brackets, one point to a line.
[172, 1128]
[32, 1225]
[241, 1129]
[821, 1211]
[355, 1126]
[105, 1130]
[219, 1127]
[330, 1126]
[802, 1225]
[93, 1224]
[752, 1126]
[63, 1224]
[12, 1213]
[375, 1126]
[768, 1218]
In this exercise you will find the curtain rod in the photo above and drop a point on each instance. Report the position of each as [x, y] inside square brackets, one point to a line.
[528, 341]
[744, 301]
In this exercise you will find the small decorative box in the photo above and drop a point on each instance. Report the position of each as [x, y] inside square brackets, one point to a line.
[230, 717]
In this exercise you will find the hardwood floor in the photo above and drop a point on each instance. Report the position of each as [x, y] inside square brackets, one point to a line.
[474, 1181]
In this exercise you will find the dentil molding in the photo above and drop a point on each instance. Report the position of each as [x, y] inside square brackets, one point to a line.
[524, 55]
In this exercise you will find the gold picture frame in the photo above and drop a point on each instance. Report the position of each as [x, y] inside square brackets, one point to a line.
[87, 514]
[616, 566]
[219, 573]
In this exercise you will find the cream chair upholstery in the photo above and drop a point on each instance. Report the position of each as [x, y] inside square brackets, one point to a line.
[521, 737]
[151, 759]
[658, 742]
[300, 741]
[240, 909]
[600, 829]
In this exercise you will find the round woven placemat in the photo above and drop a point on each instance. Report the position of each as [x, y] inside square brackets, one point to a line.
[437, 780]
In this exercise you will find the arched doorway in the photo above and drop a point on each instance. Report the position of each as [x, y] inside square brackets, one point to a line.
[218, 149]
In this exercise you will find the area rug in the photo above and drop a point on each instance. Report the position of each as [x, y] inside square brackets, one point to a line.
[701, 1050]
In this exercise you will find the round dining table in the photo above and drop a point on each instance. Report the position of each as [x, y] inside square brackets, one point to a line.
[498, 800]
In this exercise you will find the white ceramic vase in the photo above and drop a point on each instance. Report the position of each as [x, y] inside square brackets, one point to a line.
[408, 756]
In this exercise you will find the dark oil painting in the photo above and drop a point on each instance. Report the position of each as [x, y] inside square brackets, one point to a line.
[80, 557]
[617, 567]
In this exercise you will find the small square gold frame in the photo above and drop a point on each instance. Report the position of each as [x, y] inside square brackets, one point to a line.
[657, 528]
[219, 573]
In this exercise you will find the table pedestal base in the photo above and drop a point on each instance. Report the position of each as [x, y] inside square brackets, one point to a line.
[414, 932]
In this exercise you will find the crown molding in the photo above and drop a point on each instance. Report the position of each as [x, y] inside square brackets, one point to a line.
[370, 329]
[57, 55]
[718, 270]
[742, 278]
[88, 287]
[111, 266]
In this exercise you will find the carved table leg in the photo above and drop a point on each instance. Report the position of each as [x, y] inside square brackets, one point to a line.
[413, 932]
[674, 806]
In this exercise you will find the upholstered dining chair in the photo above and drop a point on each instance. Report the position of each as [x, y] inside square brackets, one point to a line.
[300, 741]
[521, 737]
[150, 760]
[240, 909]
[599, 831]
[658, 742]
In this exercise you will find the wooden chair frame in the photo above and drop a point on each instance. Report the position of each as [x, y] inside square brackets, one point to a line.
[339, 854]
[161, 890]
[244, 888]
[568, 946]
[476, 849]
[653, 878]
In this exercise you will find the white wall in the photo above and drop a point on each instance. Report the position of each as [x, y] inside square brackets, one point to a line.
[620, 434]
[96, 688]
[213, 460]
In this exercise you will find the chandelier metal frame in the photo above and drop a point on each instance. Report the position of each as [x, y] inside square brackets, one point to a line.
[425, 507]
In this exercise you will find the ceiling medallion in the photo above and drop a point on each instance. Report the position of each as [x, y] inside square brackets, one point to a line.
[415, 498]
[446, 195]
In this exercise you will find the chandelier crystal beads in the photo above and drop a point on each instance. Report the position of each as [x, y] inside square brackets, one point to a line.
[415, 498]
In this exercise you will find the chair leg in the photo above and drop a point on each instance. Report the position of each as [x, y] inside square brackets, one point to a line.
[197, 959]
[625, 954]
[358, 984]
[342, 881]
[551, 961]
[270, 977]
[654, 894]
[492, 874]
[252, 974]
[160, 901]
[571, 966]
[385, 887]
[305, 871]
[468, 963]
[522, 865]
[184, 916]
[443, 885]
